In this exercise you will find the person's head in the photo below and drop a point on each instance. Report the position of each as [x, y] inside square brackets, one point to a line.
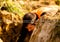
[28, 21]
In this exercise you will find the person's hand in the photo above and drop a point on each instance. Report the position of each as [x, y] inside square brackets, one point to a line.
[30, 27]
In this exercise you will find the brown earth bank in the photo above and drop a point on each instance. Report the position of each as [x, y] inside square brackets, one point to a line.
[47, 28]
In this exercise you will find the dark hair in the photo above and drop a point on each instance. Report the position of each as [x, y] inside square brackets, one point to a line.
[43, 13]
[26, 20]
